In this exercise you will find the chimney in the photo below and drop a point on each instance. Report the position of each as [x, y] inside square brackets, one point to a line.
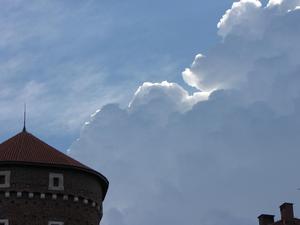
[265, 219]
[286, 210]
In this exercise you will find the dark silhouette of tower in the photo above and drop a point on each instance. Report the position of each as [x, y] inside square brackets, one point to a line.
[287, 216]
[40, 185]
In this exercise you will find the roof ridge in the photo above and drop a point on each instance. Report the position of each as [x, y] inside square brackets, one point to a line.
[19, 150]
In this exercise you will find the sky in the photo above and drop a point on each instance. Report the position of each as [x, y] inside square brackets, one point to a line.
[190, 108]
[66, 59]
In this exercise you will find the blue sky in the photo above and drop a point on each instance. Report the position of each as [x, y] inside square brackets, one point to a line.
[67, 59]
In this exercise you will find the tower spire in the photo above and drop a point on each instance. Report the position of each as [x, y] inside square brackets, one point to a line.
[24, 125]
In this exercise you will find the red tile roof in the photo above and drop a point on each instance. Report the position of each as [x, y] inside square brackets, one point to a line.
[24, 147]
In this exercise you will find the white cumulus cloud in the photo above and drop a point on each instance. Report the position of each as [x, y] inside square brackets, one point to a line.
[284, 4]
[170, 96]
[241, 16]
[221, 155]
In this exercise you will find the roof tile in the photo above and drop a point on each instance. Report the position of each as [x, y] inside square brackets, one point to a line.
[25, 147]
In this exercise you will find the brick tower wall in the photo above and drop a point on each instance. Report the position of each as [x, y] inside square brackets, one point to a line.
[29, 201]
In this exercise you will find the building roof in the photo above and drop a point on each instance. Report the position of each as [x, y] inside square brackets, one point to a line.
[25, 148]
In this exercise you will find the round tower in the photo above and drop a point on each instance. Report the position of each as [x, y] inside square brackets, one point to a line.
[40, 185]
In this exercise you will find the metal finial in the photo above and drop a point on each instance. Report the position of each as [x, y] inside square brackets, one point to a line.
[24, 126]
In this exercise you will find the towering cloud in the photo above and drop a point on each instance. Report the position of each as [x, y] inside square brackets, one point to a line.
[221, 155]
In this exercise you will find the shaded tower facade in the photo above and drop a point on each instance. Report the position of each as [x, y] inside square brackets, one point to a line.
[40, 185]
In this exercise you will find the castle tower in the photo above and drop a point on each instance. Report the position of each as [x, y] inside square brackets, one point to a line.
[39, 185]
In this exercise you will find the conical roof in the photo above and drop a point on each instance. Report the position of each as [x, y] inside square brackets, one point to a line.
[25, 148]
